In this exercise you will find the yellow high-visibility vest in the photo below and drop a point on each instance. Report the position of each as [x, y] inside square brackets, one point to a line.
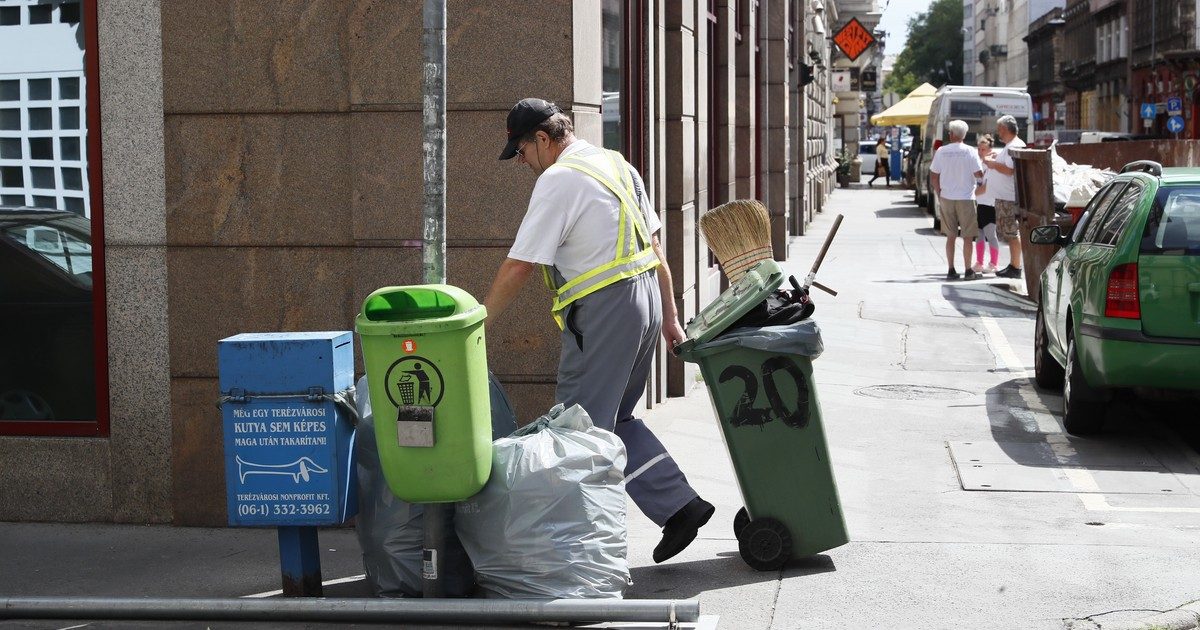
[634, 252]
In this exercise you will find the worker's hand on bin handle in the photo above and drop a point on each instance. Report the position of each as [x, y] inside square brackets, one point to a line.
[672, 332]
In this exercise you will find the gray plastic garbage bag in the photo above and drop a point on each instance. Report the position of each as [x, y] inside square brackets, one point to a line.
[550, 523]
[802, 338]
[390, 531]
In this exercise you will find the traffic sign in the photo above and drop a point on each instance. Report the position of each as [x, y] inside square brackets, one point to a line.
[1149, 110]
[1175, 124]
[1174, 106]
[853, 39]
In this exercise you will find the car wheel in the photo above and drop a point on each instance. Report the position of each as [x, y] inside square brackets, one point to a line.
[1083, 408]
[1046, 370]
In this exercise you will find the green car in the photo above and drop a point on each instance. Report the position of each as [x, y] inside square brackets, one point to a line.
[1120, 302]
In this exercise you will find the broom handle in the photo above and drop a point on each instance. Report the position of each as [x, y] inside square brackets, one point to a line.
[812, 274]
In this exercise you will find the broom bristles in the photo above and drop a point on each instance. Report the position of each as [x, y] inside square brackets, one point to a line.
[739, 233]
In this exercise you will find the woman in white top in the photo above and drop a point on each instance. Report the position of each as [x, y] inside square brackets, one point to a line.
[881, 162]
[985, 211]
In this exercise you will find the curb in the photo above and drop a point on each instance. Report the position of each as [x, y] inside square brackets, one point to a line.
[1185, 617]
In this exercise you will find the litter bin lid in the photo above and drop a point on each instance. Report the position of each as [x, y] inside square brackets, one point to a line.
[755, 286]
[418, 309]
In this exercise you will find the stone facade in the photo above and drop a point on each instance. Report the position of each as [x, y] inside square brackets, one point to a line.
[262, 173]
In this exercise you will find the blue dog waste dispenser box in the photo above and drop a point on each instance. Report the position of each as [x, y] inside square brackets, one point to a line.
[289, 444]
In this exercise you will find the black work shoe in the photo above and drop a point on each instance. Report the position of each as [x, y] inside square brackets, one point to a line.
[681, 528]
[970, 275]
[952, 275]
[1010, 272]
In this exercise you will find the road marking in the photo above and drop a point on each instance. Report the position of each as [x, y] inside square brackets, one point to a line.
[353, 578]
[1097, 503]
[1080, 478]
[1007, 356]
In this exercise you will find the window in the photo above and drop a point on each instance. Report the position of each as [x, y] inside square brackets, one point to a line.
[623, 78]
[1096, 207]
[53, 372]
[1173, 227]
[1107, 225]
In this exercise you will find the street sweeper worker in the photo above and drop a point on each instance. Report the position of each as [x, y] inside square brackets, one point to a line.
[592, 231]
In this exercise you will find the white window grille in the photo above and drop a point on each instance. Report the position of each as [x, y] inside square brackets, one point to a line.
[43, 106]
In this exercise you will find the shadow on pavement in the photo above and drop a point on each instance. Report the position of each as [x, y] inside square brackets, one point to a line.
[1131, 424]
[992, 298]
[900, 212]
[682, 580]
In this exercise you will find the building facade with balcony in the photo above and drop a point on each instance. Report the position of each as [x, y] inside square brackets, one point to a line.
[1164, 63]
[1046, 88]
[1078, 65]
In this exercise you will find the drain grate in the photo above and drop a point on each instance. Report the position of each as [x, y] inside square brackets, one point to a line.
[912, 392]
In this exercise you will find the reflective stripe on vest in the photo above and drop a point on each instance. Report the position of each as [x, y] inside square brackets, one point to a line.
[634, 253]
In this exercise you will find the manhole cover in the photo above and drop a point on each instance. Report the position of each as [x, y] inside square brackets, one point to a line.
[912, 392]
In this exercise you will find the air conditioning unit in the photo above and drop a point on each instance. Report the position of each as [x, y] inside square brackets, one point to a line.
[999, 50]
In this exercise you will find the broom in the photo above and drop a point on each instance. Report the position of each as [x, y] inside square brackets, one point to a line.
[739, 233]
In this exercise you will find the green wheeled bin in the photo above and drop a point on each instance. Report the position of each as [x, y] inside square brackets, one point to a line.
[426, 363]
[760, 382]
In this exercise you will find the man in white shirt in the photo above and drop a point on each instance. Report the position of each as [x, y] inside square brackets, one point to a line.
[591, 228]
[1003, 183]
[954, 174]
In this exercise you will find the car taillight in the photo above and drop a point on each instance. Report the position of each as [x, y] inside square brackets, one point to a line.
[936, 144]
[1122, 300]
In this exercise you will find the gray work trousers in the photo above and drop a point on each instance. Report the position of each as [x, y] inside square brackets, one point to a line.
[607, 353]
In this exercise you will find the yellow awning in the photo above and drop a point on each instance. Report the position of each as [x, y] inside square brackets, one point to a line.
[913, 110]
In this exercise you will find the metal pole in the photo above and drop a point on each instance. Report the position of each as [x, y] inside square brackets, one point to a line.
[434, 252]
[456, 611]
[434, 142]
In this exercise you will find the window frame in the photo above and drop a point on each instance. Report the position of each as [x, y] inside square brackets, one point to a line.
[100, 427]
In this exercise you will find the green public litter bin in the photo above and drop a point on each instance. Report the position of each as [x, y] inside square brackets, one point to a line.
[426, 364]
[760, 382]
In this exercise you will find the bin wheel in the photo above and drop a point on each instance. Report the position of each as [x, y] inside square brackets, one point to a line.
[740, 522]
[765, 544]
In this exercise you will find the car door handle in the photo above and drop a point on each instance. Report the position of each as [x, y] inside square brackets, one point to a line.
[1194, 287]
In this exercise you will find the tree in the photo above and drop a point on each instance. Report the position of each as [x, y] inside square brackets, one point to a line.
[933, 52]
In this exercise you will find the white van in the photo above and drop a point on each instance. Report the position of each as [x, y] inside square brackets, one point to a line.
[980, 107]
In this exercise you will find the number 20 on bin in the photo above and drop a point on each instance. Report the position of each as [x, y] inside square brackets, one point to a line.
[410, 346]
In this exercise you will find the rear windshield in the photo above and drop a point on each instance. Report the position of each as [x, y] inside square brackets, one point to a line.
[1173, 228]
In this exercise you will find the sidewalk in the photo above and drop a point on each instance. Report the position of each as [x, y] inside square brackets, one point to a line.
[914, 369]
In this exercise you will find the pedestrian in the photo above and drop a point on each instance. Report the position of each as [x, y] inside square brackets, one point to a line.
[954, 174]
[588, 203]
[985, 211]
[881, 162]
[1004, 190]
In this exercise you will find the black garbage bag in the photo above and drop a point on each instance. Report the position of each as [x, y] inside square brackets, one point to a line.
[783, 307]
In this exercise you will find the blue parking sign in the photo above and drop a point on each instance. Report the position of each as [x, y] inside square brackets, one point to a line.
[1175, 124]
[1149, 110]
[1174, 106]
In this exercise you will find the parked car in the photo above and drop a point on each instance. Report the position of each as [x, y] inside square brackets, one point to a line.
[1120, 302]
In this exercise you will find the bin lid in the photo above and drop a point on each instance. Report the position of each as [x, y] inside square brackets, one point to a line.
[418, 309]
[755, 286]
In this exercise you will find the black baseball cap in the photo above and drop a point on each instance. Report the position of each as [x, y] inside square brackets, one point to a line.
[524, 117]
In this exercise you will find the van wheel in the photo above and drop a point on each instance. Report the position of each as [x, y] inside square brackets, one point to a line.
[1046, 371]
[1083, 406]
[937, 216]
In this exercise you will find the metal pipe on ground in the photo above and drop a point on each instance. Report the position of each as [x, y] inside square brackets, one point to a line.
[358, 610]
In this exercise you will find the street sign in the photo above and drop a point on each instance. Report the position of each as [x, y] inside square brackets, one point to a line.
[841, 80]
[870, 81]
[1149, 111]
[853, 39]
[1174, 106]
[1037, 116]
[1175, 124]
